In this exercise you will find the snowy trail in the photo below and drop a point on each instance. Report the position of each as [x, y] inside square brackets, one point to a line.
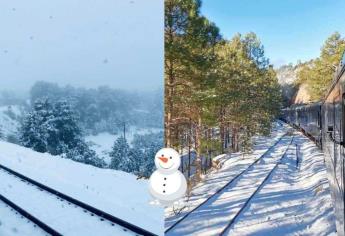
[214, 216]
[54, 211]
[15, 224]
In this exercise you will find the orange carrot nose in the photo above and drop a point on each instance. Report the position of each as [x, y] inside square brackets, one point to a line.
[163, 159]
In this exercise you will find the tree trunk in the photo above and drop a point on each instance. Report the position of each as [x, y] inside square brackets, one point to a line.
[235, 139]
[221, 129]
[198, 150]
[189, 145]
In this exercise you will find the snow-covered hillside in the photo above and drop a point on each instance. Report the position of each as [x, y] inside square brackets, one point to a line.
[9, 119]
[115, 192]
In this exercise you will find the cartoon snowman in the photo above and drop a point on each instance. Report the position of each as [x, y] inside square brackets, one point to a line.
[167, 183]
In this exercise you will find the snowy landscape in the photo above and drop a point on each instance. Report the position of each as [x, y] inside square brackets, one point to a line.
[44, 138]
[174, 117]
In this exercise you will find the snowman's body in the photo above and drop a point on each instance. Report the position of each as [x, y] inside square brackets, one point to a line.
[167, 183]
[167, 188]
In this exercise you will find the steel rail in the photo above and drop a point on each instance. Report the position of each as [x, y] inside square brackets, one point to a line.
[232, 221]
[27, 215]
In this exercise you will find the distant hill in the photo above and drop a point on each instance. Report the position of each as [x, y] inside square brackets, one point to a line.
[302, 95]
[293, 92]
[287, 75]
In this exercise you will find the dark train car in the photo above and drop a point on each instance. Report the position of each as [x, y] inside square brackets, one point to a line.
[325, 123]
[307, 118]
[333, 129]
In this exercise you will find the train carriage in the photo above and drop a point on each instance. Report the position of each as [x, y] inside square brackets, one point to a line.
[324, 122]
[307, 118]
[333, 143]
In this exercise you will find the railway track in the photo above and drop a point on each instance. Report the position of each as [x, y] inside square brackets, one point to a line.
[233, 180]
[233, 220]
[30, 217]
[67, 205]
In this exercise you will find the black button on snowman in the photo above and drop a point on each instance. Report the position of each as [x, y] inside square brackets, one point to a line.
[167, 183]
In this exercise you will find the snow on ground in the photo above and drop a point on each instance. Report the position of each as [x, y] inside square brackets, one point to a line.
[12, 224]
[213, 216]
[232, 164]
[294, 201]
[115, 192]
[102, 143]
[60, 213]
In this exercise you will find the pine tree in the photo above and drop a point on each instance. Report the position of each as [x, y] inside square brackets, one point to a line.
[64, 132]
[35, 126]
[54, 128]
[147, 166]
[318, 73]
[120, 155]
[82, 153]
[144, 150]
[214, 87]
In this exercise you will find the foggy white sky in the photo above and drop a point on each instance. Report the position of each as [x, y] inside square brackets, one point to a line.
[81, 42]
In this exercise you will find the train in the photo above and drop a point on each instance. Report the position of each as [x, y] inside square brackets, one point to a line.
[324, 123]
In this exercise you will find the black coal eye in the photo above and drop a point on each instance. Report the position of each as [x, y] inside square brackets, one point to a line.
[170, 157]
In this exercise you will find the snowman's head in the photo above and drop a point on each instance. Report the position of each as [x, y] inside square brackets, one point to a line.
[167, 160]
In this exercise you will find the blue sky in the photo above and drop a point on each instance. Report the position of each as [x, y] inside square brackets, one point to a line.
[82, 42]
[290, 30]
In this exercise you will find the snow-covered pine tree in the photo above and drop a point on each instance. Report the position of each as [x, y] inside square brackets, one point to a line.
[82, 153]
[135, 160]
[119, 153]
[54, 128]
[148, 144]
[64, 131]
[148, 165]
[35, 125]
[123, 156]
